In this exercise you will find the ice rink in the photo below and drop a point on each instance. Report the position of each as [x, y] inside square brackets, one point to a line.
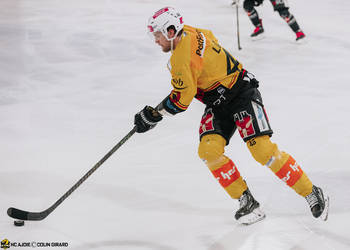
[74, 72]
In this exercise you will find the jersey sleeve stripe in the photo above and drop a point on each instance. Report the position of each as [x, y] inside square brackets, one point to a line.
[181, 106]
[214, 86]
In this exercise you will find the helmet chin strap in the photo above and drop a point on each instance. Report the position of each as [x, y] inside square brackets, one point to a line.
[171, 41]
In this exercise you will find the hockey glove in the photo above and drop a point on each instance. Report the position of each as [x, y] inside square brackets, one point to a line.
[147, 119]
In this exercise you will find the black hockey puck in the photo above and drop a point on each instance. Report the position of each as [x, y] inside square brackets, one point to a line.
[18, 223]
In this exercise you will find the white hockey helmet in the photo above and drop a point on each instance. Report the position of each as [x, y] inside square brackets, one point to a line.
[163, 19]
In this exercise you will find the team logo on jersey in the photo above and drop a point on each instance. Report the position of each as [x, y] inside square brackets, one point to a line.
[244, 123]
[177, 83]
[207, 122]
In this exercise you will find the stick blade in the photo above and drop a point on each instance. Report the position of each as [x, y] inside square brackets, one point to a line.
[17, 213]
[24, 215]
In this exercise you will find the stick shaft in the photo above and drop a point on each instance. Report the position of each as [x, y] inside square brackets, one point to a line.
[237, 22]
[24, 215]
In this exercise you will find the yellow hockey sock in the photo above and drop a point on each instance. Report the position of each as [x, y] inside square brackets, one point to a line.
[281, 163]
[211, 150]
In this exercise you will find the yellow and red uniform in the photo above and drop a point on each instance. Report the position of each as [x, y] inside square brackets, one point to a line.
[198, 66]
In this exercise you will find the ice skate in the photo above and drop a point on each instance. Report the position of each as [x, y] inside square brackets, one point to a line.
[300, 37]
[318, 202]
[258, 32]
[249, 210]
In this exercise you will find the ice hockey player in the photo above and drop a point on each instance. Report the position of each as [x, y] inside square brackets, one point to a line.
[278, 5]
[200, 68]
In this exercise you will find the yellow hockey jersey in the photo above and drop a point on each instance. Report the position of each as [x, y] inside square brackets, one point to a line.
[198, 64]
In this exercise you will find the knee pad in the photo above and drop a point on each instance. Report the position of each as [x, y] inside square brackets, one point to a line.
[284, 12]
[262, 149]
[211, 150]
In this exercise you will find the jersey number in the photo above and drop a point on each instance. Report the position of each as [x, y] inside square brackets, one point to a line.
[232, 64]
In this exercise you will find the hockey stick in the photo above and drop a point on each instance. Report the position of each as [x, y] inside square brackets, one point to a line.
[24, 215]
[237, 22]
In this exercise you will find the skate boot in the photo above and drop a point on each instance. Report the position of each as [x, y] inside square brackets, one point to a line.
[257, 34]
[249, 210]
[300, 35]
[318, 202]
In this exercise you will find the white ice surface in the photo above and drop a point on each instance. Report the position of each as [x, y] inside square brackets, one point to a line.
[74, 72]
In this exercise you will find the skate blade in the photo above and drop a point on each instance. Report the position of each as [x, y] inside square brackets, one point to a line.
[253, 217]
[324, 215]
[301, 41]
[258, 37]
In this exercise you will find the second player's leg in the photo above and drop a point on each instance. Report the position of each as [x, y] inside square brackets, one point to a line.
[283, 10]
[253, 15]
